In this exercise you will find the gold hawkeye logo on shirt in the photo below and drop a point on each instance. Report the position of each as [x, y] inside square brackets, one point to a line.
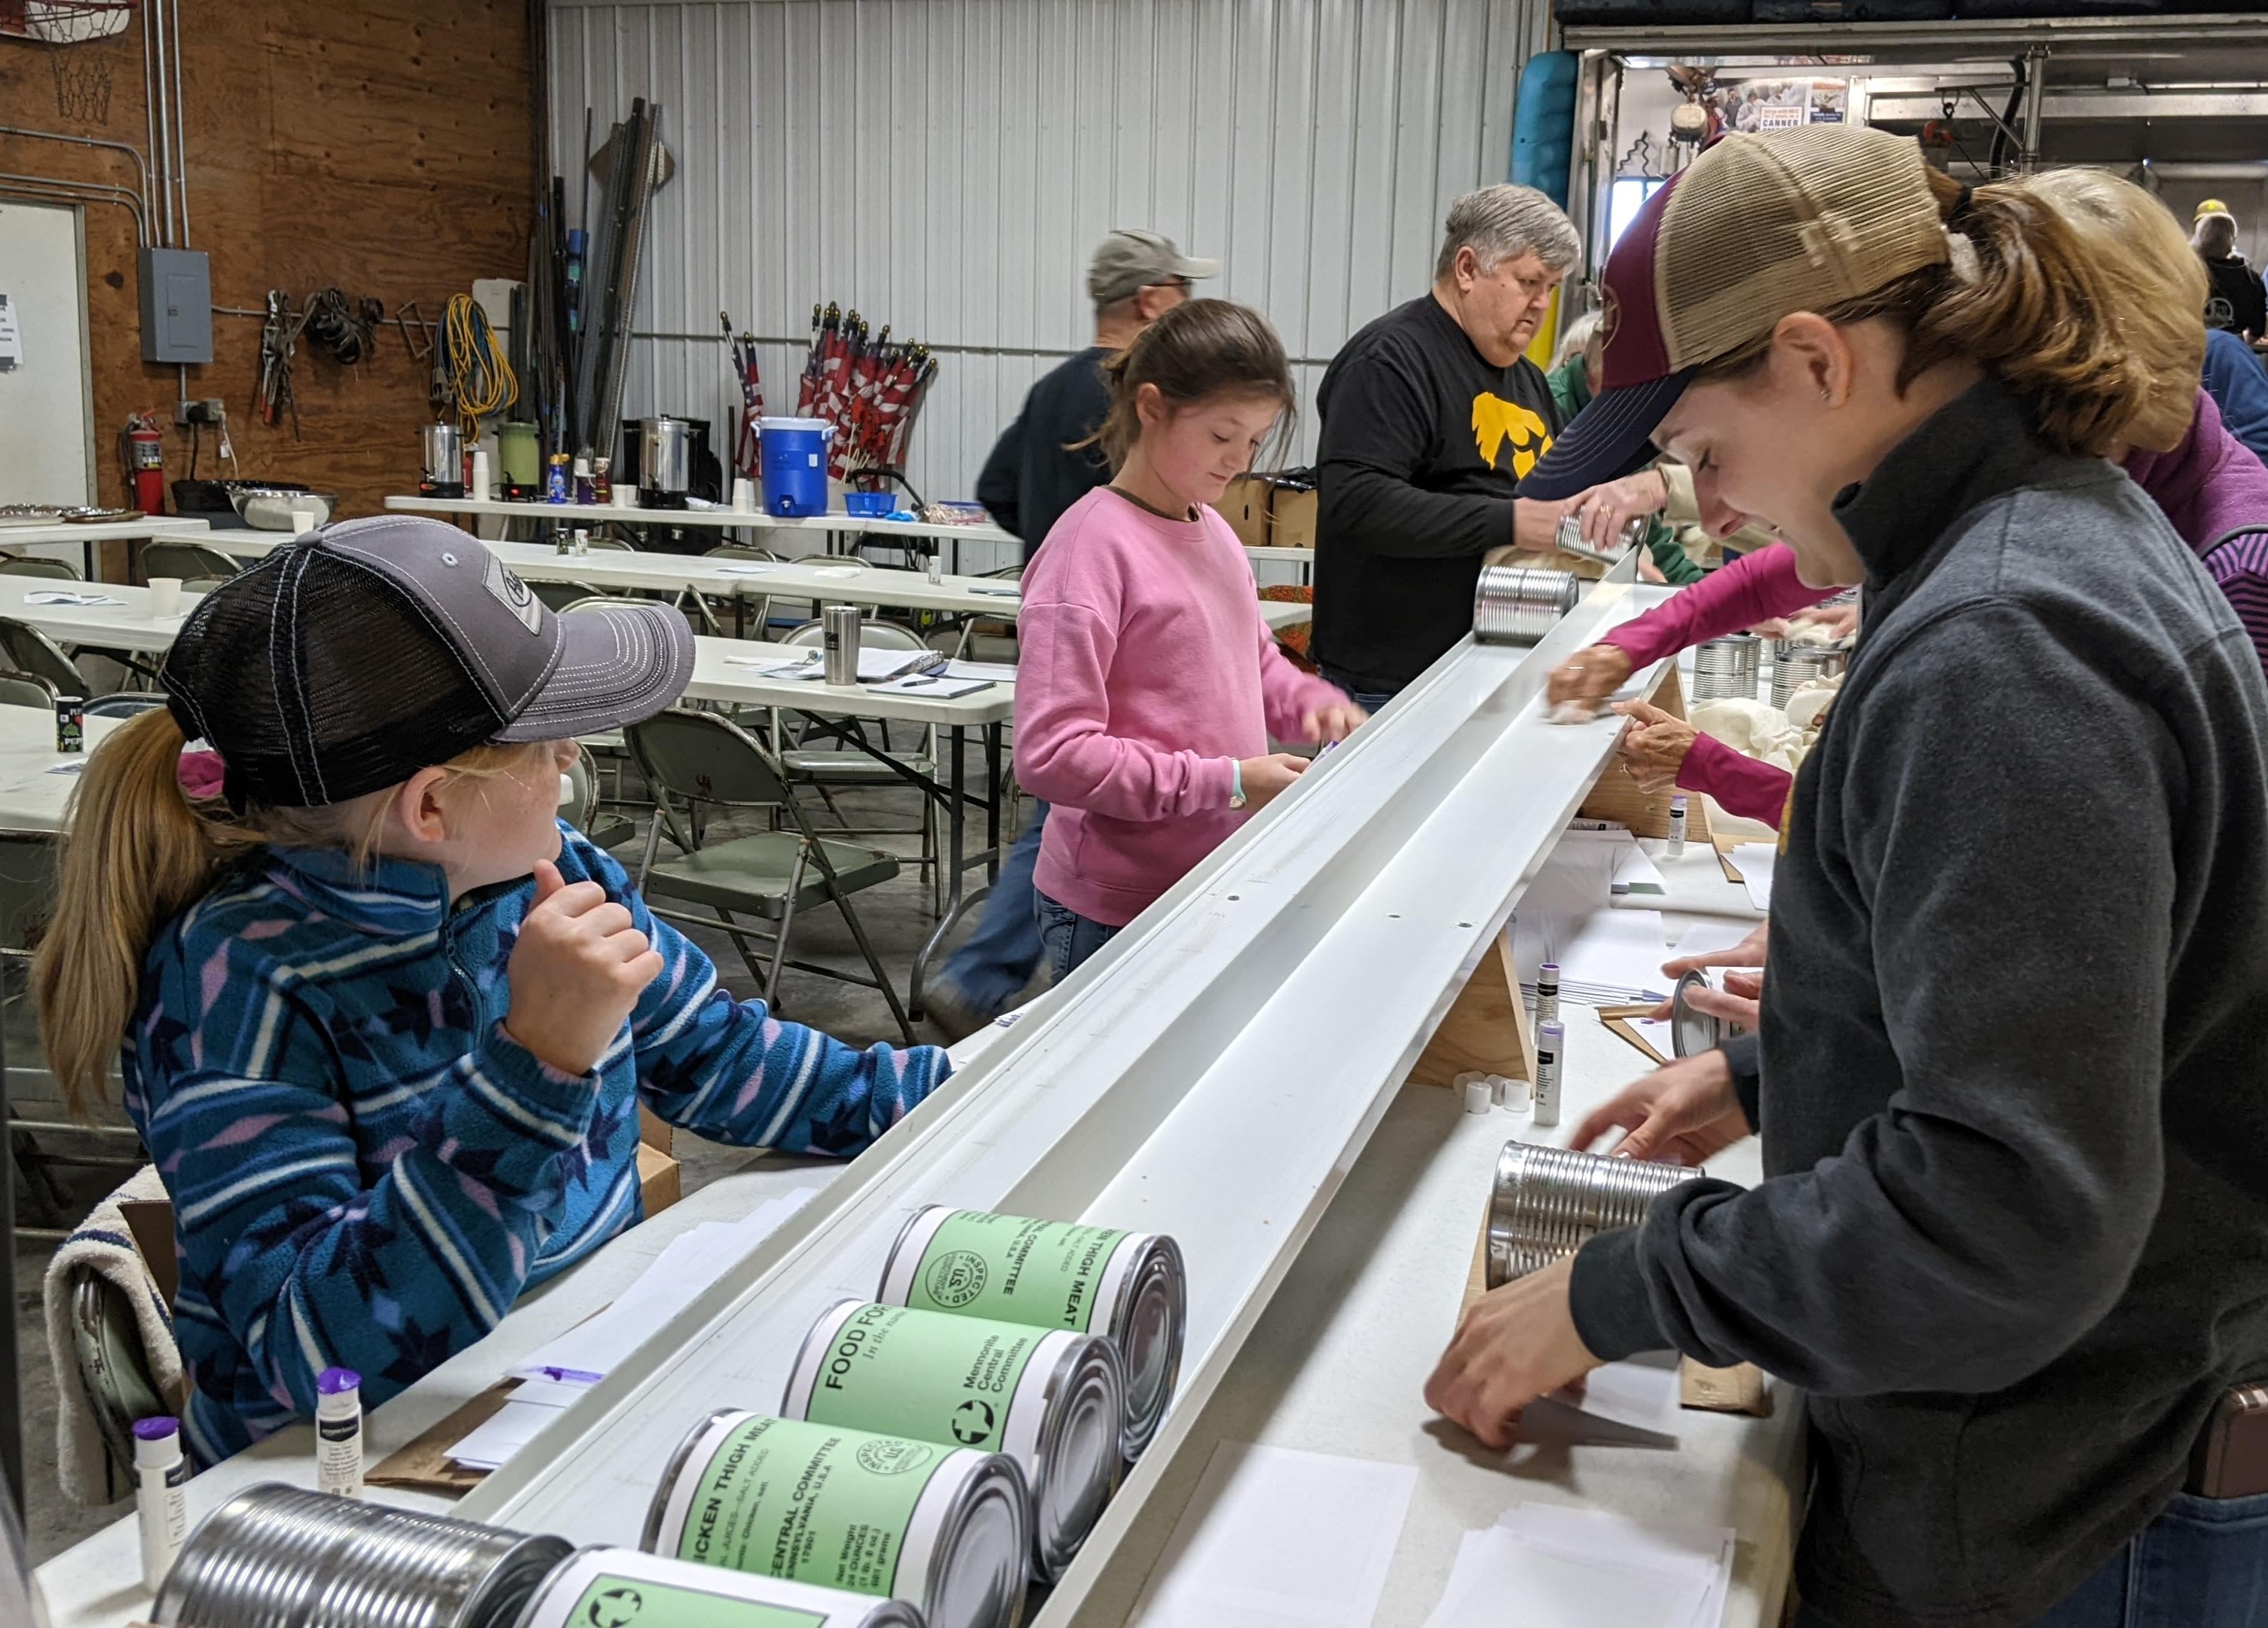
[1497, 421]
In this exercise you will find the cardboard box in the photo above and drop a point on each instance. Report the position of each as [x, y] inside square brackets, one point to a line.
[1292, 517]
[661, 1180]
[1244, 505]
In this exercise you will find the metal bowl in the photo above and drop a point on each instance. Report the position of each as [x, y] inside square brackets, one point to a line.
[264, 508]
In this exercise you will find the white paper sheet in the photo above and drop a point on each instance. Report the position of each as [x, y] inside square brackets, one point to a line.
[1754, 861]
[998, 672]
[510, 1428]
[691, 1262]
[1502, 1578]
[874, 666]
[1630, 1403]
[1281, 1538]
[64, 596]
[933, 686]
[1547, 1565]
[1606, 956]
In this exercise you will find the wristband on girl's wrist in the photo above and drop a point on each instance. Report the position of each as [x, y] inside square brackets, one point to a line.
[1235, 784]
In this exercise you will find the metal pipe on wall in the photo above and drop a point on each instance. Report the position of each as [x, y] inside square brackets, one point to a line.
[180, 128]
[153, 55]
[51, 186]
[141, 169]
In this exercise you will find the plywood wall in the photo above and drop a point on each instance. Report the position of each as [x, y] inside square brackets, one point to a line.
[381, 145]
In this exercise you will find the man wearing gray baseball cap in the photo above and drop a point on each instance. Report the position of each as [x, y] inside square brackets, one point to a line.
[1041, 468]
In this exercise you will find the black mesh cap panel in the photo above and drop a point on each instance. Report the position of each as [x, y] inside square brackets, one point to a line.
[317, 682]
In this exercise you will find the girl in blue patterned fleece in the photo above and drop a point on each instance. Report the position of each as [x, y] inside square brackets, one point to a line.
[386, 1032]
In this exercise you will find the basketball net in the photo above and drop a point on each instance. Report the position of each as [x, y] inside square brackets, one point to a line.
[82, 77]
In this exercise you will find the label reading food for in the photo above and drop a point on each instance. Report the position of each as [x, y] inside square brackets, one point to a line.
[1043, 1273]
[821, 1505]
[911, 1372]
[613, 1602]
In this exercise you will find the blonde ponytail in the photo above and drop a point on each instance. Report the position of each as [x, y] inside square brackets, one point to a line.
[138, 855]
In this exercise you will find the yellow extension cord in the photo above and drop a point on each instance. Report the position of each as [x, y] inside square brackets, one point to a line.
[479, 372]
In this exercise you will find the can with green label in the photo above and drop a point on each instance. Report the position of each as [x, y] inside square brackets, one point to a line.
[1055, 1275]
[625, 1588]
[1053, 1400]
[948, 1529]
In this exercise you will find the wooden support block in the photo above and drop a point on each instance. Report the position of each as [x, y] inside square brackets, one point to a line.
[1616, 796]
[1736, 1389]
[1486, 1030]
[1476, 1280]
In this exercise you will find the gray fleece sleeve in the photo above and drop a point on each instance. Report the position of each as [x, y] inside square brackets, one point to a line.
[2006, 809]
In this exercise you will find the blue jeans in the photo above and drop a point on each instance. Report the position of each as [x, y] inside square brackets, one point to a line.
[1068, 937]
[991, 968]
[1368, 700]
[2202, 1563]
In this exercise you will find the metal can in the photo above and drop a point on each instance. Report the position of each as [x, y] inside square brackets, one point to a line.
[71, 724]
[1053, 1400]
[948, 1529]
[1727, 668]
[843, 636]
[1055, 1275]
[280, 1557]
[1546, 1203]
[640, 1590]
[1520, 604]
[555, 479]
[1569, 540]
[1692, 1032]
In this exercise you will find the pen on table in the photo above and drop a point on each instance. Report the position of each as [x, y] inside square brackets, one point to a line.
[571, 1376]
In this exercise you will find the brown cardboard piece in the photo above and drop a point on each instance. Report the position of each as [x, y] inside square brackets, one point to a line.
[1244, 505]
[424, 1464]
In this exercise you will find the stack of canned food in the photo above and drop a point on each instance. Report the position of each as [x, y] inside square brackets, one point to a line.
[937, 1447]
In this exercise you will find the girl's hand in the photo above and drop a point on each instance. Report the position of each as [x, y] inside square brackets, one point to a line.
[1591, 673]
[1265, 778]
[1685, 1110]
[1331, 724]
[1516, 1344]
[1655, 745]
[575, 972]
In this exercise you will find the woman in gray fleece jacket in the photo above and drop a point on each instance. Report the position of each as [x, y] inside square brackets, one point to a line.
[2013, 1240]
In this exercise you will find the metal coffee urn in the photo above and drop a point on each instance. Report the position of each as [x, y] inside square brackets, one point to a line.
[665, 465]
[441, 448]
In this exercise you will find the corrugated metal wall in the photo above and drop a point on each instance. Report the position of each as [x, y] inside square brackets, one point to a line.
[946, 166]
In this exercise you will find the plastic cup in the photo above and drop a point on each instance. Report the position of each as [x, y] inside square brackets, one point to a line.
[164, 597]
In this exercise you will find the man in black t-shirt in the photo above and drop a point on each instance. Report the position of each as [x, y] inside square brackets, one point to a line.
[1036, 472]
[1430, 416]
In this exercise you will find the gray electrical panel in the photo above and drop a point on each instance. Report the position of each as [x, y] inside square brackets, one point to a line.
[176, 305]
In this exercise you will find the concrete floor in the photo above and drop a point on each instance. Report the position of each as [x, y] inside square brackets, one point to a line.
[897, 918]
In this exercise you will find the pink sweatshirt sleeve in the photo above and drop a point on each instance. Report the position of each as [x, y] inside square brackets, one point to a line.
[1287, 695]
[1753, 790]
[1065, 751]
[1754, 588]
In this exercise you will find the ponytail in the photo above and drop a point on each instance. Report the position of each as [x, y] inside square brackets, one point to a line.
[2023, 299]
[139, 853]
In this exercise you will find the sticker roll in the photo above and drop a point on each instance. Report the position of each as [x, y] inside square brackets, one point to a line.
[946, 1529]
[1055, 1275]
[1053, 1400]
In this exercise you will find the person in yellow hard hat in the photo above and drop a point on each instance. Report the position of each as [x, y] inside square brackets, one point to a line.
[2237, 300]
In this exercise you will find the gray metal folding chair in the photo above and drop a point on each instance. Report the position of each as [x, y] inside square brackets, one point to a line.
[21, 689]
[582, 810]
[694, 758]
[27, 649]
[30, 565]
[191, 562]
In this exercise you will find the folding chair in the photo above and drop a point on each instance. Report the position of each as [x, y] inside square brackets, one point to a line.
[31, 565]
[761, 602]
[21, 689]
[582, 811]
[27, 649]
[191, 562]
[830, 770]
[699, 759]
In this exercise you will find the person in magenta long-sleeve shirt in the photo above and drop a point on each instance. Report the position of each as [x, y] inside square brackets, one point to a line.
[2212, 488]
[1149, 687]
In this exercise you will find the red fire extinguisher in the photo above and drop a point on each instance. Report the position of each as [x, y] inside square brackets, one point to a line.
[143, 447]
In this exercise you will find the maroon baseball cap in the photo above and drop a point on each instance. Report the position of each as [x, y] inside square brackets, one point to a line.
[1756, 227]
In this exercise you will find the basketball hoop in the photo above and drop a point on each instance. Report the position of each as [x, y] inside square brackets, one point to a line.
[82, 77]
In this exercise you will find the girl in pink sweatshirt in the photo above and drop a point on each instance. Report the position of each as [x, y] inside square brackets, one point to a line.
[1148, 687]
